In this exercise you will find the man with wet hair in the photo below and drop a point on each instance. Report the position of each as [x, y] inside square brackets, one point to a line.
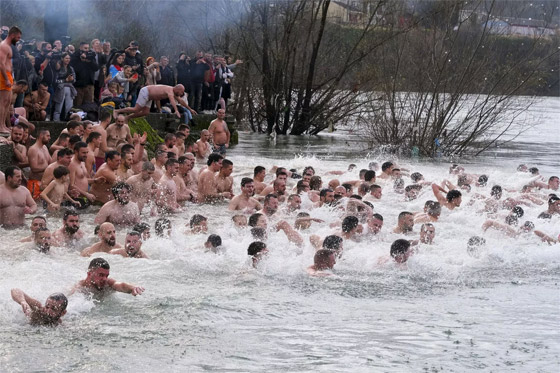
[451, 200]
[411, 192]
[70, 232]
[119, 211]
[167, 194]
[15, 200]
[427, 233]
[213, 243]
[270, 205]
[42, 239]
[98, 283]
[224, 180]
[350, 227]
[324, 260]
[405, 223]
[107, 177]
[553, 207]
[259, 173]
[375, 223]
[207, 191]
[257, 250]
[245, 201]
[198, 224]
[326, 197]
[432, 211]
[401, 251]
[107, 241]
[36, 223]
[143, 229]
[386, 170]
[48, 315]
[141, 185]
[132, 246]
[333, 243]
[375, 193]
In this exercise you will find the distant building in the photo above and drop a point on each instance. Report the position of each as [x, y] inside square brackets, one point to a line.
[347, 12]
[511, 26]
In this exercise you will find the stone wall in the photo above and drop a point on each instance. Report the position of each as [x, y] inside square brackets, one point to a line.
[163, 123]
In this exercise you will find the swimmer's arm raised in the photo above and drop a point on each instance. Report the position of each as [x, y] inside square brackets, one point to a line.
[438, 193]
[27, 303]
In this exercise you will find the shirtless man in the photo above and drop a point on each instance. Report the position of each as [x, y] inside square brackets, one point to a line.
[119, 211]
[322, 261]
[188, 173]
[224, 180]
[259, 174]
[36, 103]
[79, 181]
[220, 133]
[405, 223]
[386, 171]
[37, 223]
[432, 211]
[166, 200]
[49, 315]
[118, 132]
[203, 146]
[124, 171]
[132, 247]
[63, 158]
[142, 185]
[107, 241]
[19, 148]
[98, 283]
[169, 141]
[39, 159]
[245, 200]
[6, 78]
[159, 163]
[270, 205]
[107, 177]
[207, 180]
[101, 128]
[93, 142]
[155, 93]
[70, 232]
[15, 200]
[452, 200]
[427, 233]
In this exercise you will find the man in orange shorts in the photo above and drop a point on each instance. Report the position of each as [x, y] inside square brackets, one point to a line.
[6, 78]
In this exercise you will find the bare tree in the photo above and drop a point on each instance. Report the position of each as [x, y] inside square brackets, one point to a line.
[441, 88]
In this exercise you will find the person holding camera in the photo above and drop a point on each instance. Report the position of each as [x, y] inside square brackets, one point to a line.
[83, 62]
[64, 92]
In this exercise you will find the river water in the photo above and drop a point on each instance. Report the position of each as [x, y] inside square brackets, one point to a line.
[446, 311]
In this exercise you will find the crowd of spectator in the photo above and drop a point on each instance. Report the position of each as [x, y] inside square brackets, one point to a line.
[55, 78]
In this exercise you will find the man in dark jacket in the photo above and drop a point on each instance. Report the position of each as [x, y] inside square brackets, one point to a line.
[198, 68]
[83, 62]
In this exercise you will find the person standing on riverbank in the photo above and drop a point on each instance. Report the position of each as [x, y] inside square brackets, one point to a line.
[6, 77]
[220, 133]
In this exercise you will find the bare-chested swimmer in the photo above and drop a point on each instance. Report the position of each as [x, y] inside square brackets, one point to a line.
[48, 315]
[98, 283]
